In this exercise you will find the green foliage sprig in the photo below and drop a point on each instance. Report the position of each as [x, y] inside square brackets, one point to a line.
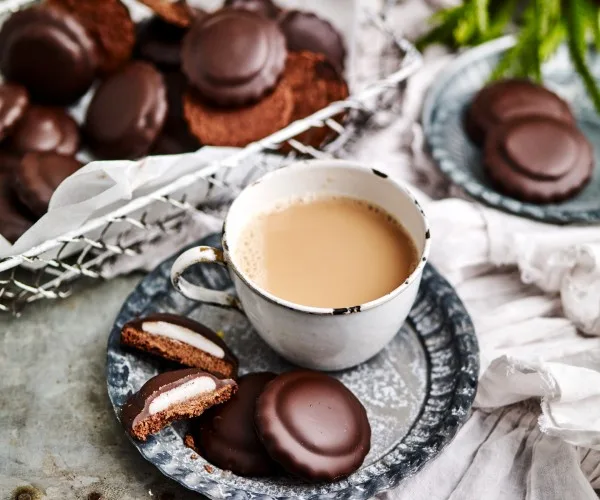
[543, 25]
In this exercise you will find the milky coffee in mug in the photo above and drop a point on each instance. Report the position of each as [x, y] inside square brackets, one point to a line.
[328, 251]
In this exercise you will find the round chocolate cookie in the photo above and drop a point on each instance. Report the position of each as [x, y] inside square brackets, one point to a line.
[45, 129]
[175, 136]
[304, 31]
[38, 176]
[538, 159]
[176, 12]
[313, 425]
[315, 84]
[13, 103]
[110, 25]
[225, 434]
[159, 42]
[238, 127]
[234, 56]
[15, 219]
[507, 99]
[126, 113]
[264, 7]
[50, 53]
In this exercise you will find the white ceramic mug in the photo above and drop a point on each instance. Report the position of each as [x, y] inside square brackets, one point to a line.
[313, 337]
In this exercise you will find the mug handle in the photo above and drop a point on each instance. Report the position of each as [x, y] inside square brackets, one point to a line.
[201, 255]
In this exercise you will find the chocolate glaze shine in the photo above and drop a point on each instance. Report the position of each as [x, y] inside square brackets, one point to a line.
[136, 408]
[225, 434]
[49, 52]
[14, 100]
[192, 325]
[538, 159]
[234, 56]
[313, 425]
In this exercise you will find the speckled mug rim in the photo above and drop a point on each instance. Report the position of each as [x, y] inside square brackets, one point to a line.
[331, 311]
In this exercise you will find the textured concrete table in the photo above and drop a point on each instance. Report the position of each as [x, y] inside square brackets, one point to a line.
[58, 432]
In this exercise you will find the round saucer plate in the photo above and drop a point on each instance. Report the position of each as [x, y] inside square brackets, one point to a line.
[460, 160]
[417, 392]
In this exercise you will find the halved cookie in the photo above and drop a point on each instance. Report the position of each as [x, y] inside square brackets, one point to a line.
[182, 340]
[173, 396]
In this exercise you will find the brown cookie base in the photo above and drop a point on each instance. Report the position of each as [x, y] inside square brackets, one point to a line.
[178, 13]
[189, 409]
[177, 351]
[111, 26]
[315, 84]
[238, 127]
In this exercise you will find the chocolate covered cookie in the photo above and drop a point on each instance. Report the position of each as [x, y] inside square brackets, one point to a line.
[13, 103]
[49, 52]
[266, 8]
[305, 31]
[225, 436]
[313, 425]
[15, 219]
[182, 340]
[238, 127]
[45, 130]
[176, 12]
[233, 57]
[175, 136]
[315, 84]
[37, 177]
[109, 24]
[538, 159]
[159, 42]
[173, 396]
[508, 99]
[126, 113]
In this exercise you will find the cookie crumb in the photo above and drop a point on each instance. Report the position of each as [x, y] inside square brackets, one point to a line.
[194, 457]
[209, 468]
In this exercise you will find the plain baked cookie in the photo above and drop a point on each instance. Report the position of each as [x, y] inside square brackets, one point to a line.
[176, 12]
[238, 127]
[315, 84]
[109, 23]
[538, 159]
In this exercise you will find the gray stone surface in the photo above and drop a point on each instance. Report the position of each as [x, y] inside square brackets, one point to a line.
[58, 432]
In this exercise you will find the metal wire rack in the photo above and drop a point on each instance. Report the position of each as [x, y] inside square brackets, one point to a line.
[48, 270]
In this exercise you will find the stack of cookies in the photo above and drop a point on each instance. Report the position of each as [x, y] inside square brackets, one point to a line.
[177, 80]
[533, 150]
[261, 424]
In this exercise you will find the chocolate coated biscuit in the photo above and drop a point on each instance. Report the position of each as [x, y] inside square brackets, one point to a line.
[538, 159]
[45, 129]
[176, 12]
[109, 24]
[305, 31]
[127, 113]
[313, 425]
[37, 177]
[233, 57]
[13, 103]
[238, 127]
[182, 340]
[173, 396]
[15, 219]
[264, 7]
[225, 435]
[159, 42]
[49, 52]
[315, 84]
[508, 99]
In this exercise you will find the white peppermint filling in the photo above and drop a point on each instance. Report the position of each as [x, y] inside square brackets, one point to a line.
[185, 335]
[184, 392]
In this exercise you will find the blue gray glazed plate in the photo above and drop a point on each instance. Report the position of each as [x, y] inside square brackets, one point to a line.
[417, 392]
[460, 160]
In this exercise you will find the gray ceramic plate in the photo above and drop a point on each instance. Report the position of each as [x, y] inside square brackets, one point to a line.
[417, 392]
[460, 160]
